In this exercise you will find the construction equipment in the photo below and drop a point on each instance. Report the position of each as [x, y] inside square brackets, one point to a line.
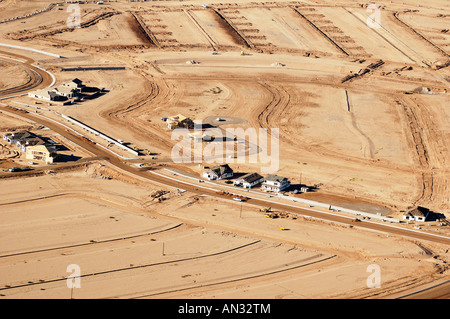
[265, 210]
[284, 215]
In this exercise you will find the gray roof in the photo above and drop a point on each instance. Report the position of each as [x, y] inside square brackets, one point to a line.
[219, 170]
[251, 177]
[22, 135]
[275, 178]
[32, 141]
[419, 211]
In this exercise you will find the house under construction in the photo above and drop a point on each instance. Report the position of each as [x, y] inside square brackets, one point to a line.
[179, 121]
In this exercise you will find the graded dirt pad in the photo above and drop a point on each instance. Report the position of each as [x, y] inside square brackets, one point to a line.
[214, 27]
[115, 30]
[11, 123]
[13, 76]
[283, 29]
[183, 30]
[362, 115]
[430, 26]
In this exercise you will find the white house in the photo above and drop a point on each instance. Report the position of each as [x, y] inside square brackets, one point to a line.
[65, 91]
[13, 138]
[275, 183]
[249, 180]
[219, 172]
[42, 94]
[420, 214]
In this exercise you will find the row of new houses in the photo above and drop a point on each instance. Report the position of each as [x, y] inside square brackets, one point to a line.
[35, 147]
[271, 183]
[275, 183]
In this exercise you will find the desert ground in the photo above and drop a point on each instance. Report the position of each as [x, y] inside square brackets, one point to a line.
[362, 112]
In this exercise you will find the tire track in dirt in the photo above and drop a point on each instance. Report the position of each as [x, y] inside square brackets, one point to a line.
[30, 34]
[255, 278]
[34, 79]
[157, 93]
[268, 117]
[350, 122]
[417, 142]
[280, 102]
[91, 243]
[110, 271]
[432, 150]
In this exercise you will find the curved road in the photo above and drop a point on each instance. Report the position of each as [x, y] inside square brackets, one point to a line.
[40, 78]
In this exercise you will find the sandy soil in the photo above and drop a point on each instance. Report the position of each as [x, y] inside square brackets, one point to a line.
[362, 113]
[13, 76]
[122, 235]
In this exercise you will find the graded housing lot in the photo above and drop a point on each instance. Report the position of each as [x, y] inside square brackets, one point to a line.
[362, 113]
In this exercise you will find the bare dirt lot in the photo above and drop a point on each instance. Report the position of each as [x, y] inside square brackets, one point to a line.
[122, 235]
[363, 118]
